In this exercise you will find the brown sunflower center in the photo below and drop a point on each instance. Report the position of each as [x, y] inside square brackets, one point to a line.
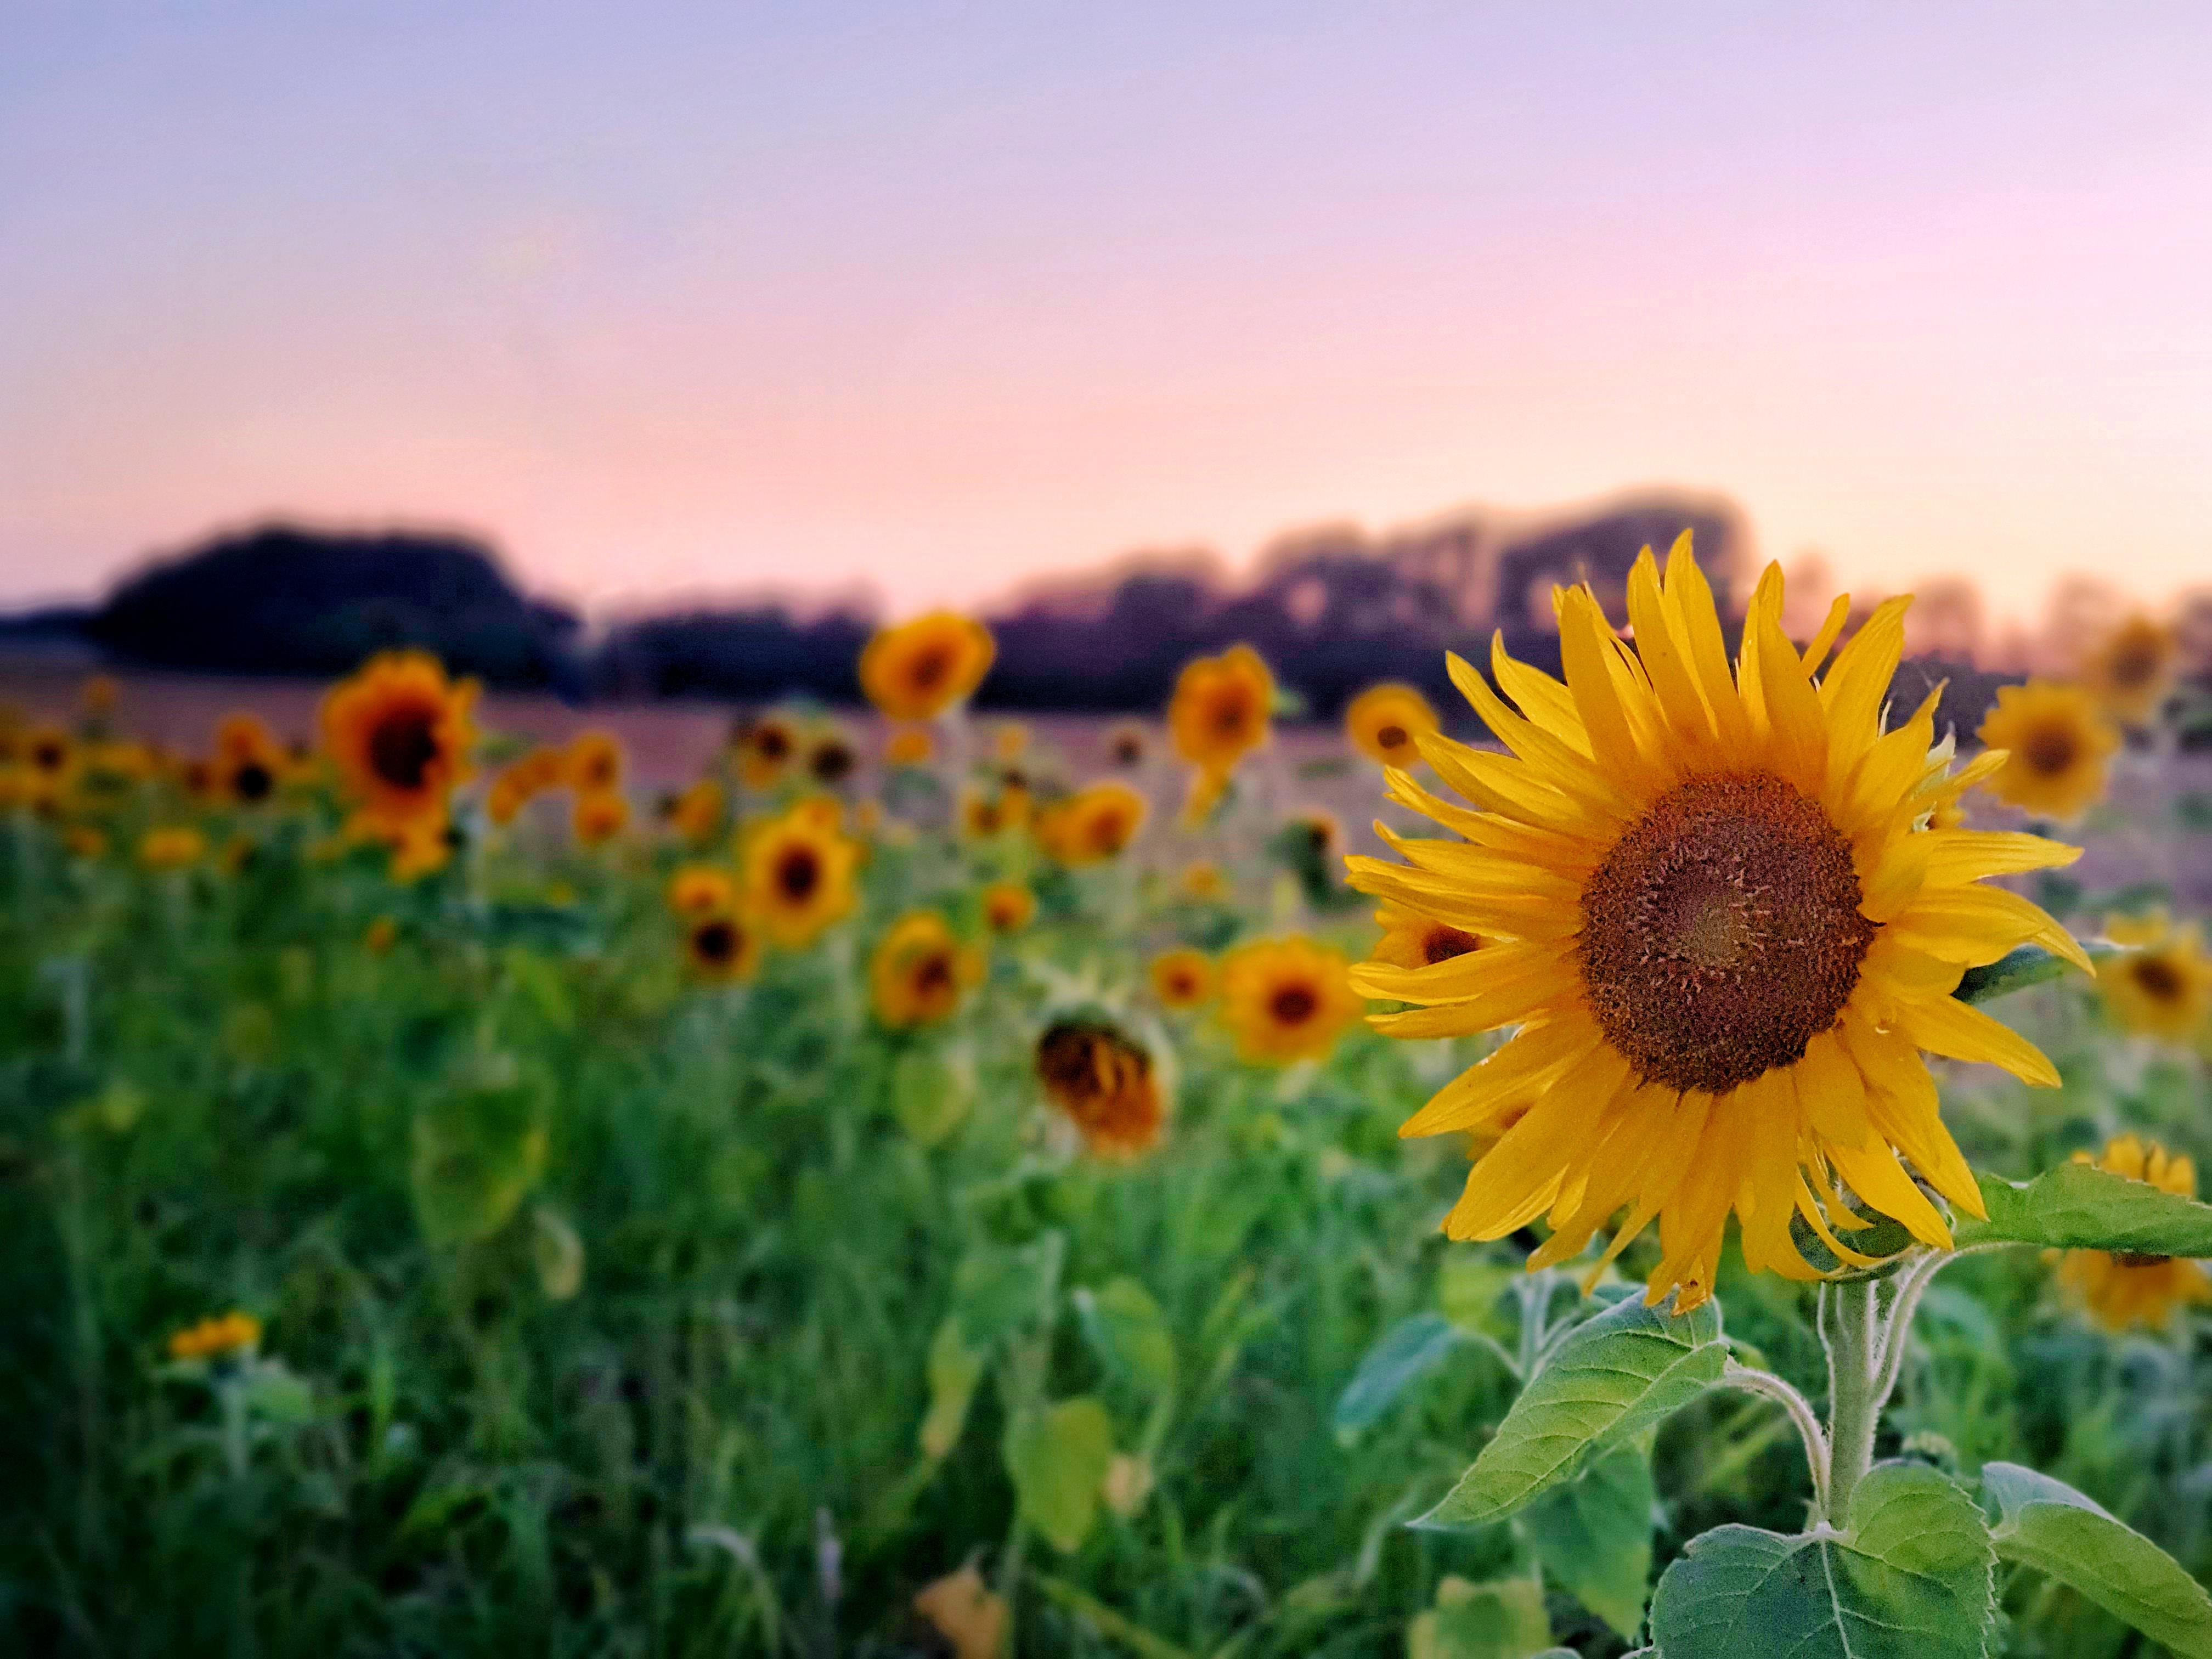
[2157, 978]
[1391, 737]
[797, 873]
[1128, 751]
[1229, 713]
[1292, 1004]
[47, 755]
[251, 782]
[1722, 933]
[1442, 943]
[2050, 748]
[1108, 831]
[933, 975]
[930, 669]
[401, 746]
[716, 942]
[831, 762]
[2135, 664]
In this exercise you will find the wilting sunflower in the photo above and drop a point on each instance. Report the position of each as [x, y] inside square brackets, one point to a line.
[1007, 907]
[2123, 1290]
[1104, 1081]
[798, 875]
[1182, 978]
[1415, 941]
[910, 745]
[920, 971]
[1385, 723]
[697, 813]
[2163, 985]
[593, 763]
[1285, 1000]
[249, 762]
[2132, 670]
[399, 733]
[171, 846]
[766, 747]
[722, 945]
[1706, 901]
[598, 816]
[699, 889]
[1126, 745]
[1220, 712]
[217, 1337]
[918, 670]
[1096, 823]
[2056, 743]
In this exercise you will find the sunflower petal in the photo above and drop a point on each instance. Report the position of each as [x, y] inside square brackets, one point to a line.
[1506, 1076]
[1947, 1026]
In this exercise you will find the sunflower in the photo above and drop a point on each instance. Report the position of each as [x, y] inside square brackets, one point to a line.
[1220, 712]
[2056, 746]
[1416, 941]
[798, 876]
[506, 798]
[1007, 907]
[910, 745]
[399, 733]
[1285, 1000]
[51, 756]
[420, 848]
[698, 890]
[830, 757]
[1126, 745]
[85, 841]
[2131, 671]
[2123, 1290]
[217, 1337]
[697, 813]
[249, 762]
[1104, 1081]
[593, 763]
[598, 816]
[918, 670]
[1706, 901]
[1093, 824]
[722, 945]
[919, 970]
[765, 748]
[171, 846]
[2163, 985]
[986, 816]
[1202, 880]
[1009, 740]
[1182, 978]
[1385, 723]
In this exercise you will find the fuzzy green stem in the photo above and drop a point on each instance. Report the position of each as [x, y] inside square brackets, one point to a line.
[1856, 1335]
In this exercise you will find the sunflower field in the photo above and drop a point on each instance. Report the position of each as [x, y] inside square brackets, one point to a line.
[1711, 1174]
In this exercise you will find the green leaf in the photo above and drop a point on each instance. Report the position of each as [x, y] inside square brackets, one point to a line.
[1057, 1458]
[1909, 1578]
[275, 1391]
[1594, 1534]
[996, 1291]
[558, 1253]
[1126, 1327]
[2047, 1525]
[955, 1369]
[2080, 1206]
[1617, 1374]
[1405, 1353]
[1502, 1620]
[929, 1096]
[478, 1149]
[2031, 964]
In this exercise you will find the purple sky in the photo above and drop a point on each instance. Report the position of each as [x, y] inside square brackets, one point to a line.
[931, 298]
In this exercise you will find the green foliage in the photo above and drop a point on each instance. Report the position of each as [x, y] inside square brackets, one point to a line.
[1058, 1458]
[1502, 1620]
[1407, 1352]
[2080, 1206]
[1129, 1332]
[1594, 1534]
[2045, 1524]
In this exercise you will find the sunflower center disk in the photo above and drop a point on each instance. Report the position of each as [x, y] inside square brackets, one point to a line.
[2051, 749]
[2158, 979]
[1292, 1006]
[402, 747]
[797, 874]
[1722, 933]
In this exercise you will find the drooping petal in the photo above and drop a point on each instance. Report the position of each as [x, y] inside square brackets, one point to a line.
[1944, 1026]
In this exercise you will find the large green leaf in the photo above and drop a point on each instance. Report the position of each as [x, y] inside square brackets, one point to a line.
[954, 1370]
[1057, 1458]
[2045, 1524]
[930, 1094]
[1909, 1578]
[1501, 1620]
[1405, 1353]
[2080, 1206]
[1125, 1326]
[997, 1290]
[1594, 1534]
[1620, 1372]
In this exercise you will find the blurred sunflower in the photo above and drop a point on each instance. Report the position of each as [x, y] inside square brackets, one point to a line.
[697, 813]
[1386, 723]
[2056, 746]
[722, 945]
[918, 669]
[919, 970]
[593, 763]
[1096, 822]
[1102, 1080]
[1703, 898]
[171, 846]
[2132, 669]
[1219, 711]
[85, 841]
[1414, 941]
[599, 816]
[52, 760]
[910, 745]
[1285, 1000]
[1009, 740]
[420, 848]
[798, 876]
[249, 762]
[2162, 986]
[217, 1337]
[399, 733]
[830, 757]
[1008, 906]
[1182, 978]
[1127, 743]
[506, 798]
[699, 889]
[1203, 880]
[2122, 1289]
[766, 745]
[987, 816]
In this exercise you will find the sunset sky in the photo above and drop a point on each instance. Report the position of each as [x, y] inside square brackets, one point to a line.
[931, 298]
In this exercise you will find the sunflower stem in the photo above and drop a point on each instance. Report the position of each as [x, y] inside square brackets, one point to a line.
[1855, 1330]
[1752, 1380]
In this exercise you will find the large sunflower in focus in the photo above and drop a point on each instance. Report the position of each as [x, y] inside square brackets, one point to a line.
[918, 670]
[2055, 746]
[1708, 902]
[399, 733]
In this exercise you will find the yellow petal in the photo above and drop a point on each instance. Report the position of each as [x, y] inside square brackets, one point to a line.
[1531, 1058]
[1944, 1026]
[1962, 855]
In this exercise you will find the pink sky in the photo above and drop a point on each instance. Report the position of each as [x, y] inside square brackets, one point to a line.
[932, 300]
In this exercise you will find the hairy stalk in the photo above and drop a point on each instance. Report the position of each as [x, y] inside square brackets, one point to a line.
[1769, 1386]
[1855, 1332]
